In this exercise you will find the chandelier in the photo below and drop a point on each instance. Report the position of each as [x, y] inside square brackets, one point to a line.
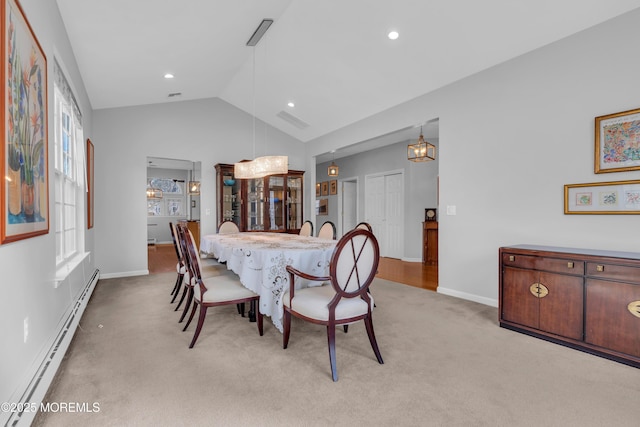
[266, 165]
[421, 151]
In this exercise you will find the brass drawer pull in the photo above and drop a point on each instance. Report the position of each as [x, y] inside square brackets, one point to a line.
[599, 267]
[569, 265]
[634, 308]
[539, 290]
[512, 258]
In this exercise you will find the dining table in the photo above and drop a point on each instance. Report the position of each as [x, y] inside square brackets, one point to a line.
[260, 260]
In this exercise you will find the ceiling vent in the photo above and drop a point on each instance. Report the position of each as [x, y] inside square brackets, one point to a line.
[292, 120]
[175, 94]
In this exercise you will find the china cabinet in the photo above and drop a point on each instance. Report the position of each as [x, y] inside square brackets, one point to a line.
[273, 203]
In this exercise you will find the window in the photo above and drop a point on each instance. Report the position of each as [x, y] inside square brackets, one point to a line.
[69, 171]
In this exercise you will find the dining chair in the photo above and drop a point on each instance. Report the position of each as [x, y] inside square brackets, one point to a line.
[228, 227]
[180, 266]
[217, 291]
[327, 231]
[306, 229]
[364, 226]
[343, 298]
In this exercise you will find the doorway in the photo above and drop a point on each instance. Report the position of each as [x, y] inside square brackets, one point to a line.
[348, 205]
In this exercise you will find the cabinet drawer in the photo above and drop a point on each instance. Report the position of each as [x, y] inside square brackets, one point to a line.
[554, 265]
[614, 272]
[520, 261]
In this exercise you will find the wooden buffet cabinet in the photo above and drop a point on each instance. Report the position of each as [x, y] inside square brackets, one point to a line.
[585, 299]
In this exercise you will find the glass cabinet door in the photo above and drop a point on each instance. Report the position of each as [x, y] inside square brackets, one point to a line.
[276, 198]
[294, 200]
[230, 198]
[255, 205]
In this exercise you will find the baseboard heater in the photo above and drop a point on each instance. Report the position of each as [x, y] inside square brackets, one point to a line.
[37, 388]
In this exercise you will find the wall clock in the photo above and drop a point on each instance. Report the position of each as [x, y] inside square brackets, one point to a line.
[430, 214]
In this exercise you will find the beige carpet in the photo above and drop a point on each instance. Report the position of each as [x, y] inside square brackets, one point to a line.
[447, 363]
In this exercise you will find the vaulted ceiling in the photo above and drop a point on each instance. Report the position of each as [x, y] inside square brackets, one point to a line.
[332, 58]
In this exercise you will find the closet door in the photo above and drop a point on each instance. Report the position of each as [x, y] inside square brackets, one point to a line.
[384, 210]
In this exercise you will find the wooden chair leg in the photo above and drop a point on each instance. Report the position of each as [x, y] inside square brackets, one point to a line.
[240, 307]
[372, 338]
[286, 324]
[260, 322]
[331, 338]
[184, 294]
[187, 305]
[203, 314]
[193, 311]
[176, 288]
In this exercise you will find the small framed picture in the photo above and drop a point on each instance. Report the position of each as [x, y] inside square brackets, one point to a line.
[317, 189]
[333, 187]
[325, 188]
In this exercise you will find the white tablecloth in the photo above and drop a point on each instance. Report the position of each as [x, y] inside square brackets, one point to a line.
[260, 260]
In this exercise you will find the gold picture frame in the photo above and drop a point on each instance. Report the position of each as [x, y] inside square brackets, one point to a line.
[317, 189]
[603, 198]
[333, 187]
[617, 142]
[325, 188]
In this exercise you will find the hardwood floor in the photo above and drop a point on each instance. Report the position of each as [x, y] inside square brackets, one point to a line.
[162, 258]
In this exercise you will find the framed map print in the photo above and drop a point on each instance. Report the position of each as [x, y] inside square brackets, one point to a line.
[618, 142]
[620, 197]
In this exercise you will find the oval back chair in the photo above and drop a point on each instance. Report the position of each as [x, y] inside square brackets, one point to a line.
[327, 231]
[228, 227]
[344, 299]
[306, 229]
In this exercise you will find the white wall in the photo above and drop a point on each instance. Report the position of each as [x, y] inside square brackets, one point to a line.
[510, 138]
[28, 284]
[209, 130]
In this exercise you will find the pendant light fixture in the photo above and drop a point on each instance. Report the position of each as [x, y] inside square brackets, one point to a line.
[333, 169]
[194, 185]
[265, 165]
[421, 151]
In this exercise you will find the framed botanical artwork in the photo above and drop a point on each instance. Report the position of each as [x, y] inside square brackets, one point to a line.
[618, 142]
[317, 189]
[619, 197]
[333, 187]
[325, 188]
[23, 159]
[90, 184]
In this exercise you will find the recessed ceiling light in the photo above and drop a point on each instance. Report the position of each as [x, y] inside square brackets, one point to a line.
[291, 104]
[168, 76]
[393, 35]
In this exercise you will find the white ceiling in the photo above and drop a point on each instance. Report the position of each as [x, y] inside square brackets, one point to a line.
[331, 57]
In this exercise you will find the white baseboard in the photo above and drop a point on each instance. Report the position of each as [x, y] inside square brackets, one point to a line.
[31, 396]
[469, 297]
[125, 274]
